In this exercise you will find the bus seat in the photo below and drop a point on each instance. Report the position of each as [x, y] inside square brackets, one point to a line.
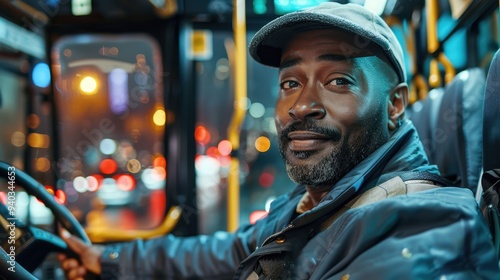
[448, 122]
[424, 113]
[458, 139]
[490, 182]
[491, 122]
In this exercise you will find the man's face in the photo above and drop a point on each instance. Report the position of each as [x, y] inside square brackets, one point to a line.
[331, 110]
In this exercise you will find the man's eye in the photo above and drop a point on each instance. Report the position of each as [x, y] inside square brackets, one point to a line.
[289, 84]
[340, 82]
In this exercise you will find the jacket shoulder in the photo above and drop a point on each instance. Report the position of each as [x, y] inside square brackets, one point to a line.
[426, 234]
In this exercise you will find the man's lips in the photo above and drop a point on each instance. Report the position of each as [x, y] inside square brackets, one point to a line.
[300, 141]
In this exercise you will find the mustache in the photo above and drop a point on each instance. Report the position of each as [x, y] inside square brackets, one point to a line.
[308, 125]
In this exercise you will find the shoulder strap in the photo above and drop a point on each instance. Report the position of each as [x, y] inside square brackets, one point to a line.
[420, 175]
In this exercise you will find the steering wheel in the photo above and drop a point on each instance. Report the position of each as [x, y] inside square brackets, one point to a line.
[31, 236]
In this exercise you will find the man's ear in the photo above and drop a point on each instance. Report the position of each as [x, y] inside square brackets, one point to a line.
[397, 104]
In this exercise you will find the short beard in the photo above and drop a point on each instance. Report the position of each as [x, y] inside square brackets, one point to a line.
[330, 170]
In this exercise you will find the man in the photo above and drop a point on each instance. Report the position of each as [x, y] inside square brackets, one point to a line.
[368, 204]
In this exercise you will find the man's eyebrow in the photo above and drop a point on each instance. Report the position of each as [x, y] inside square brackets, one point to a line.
[289, 63]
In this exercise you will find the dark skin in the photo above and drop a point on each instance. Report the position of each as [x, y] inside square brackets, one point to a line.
[328, 110]
[350, 104]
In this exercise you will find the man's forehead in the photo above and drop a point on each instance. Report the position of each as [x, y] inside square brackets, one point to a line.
[334, 41]
[328, 45]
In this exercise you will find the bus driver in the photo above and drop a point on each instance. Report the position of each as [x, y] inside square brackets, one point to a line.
[367, 205]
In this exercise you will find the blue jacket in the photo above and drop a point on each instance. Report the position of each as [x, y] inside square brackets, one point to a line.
[372, 225]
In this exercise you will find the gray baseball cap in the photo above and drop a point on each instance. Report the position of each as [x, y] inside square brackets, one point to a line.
[267, 44]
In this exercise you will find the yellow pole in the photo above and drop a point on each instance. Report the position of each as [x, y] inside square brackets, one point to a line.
[410, 43]
[433, 45]
[449, 70]
[432, 41]
[240, 100]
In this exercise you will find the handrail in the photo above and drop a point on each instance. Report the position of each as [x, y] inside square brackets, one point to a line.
[431, 7]
[100, 234]
[240, 100]
[434, 47]
[473, 12]
[418, 87]
[449, 70]
[421, 88]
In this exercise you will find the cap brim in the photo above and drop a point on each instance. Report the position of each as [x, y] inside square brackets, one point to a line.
[267, 44]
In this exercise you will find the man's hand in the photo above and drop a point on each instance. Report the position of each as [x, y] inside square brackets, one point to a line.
[89, 257]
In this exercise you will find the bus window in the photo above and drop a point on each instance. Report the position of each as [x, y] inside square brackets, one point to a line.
[12, 112]
[13, 138]
[110, 127]
[262, 173]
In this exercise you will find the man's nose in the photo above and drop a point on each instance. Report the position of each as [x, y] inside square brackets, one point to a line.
[307, 105]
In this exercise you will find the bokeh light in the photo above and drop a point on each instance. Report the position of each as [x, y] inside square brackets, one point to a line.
[80, 184]
[133, 166]
[202, 135]
[262, 144]
[160, 161]
[159, 173]
[154, 178]
[118, 90]
[88, 85]
[18, 139]
[108, 166]
[32, 121]
[42, 164]
[49, 189]
[38, 140]
[213, 152]
[92, 183]
[222, 70]
[257, 110]
[125, 182]
[107, 146]
[60, 197]
[159, 117]
[67, 52]
[225, 147]
[206, 166]
[41, 75]
[266, 179]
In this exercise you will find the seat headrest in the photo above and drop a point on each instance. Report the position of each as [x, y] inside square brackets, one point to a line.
[424, 114]
[459, 128]
[491, 115]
